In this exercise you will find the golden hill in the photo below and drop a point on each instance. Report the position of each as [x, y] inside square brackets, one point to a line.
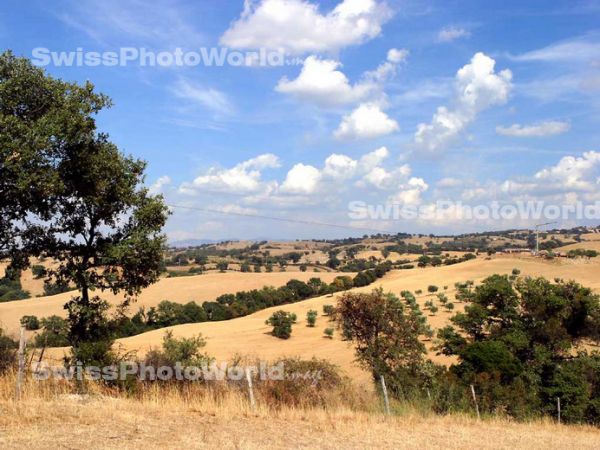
[251, 336]
[199, 288]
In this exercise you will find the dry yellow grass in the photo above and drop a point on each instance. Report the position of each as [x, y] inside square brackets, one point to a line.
[46, 419]
[182, 289]
[250, 336]
[585, 245]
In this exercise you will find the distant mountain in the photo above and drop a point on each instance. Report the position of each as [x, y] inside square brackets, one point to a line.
[194, 242]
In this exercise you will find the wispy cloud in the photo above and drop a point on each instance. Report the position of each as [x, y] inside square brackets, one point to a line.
[162, 23]
[549, 128]
[209, 98]
[582, 49]
[452, 33]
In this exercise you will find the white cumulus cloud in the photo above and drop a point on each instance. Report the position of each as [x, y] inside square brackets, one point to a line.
[477, 87]
[244, 177]
[365, 122]
[301, 179]
[322, 82]
[298, 27]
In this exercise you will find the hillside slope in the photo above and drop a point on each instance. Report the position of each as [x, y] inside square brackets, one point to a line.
[198, 288]
[251, 336]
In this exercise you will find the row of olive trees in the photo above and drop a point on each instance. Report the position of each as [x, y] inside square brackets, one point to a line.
[68, 194]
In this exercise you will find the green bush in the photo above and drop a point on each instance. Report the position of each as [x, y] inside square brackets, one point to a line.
[282, 321]
[30, 323]
[38, 271]
[329, 332]
[8, 352]
[311, 317]
[186, 351]
[54, 332]
[328, 310]
[51, 288]
[516, 342]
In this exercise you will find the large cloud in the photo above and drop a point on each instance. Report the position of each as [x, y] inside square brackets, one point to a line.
[244, 177]
[321, 82]
[298, 26]
[477, 88]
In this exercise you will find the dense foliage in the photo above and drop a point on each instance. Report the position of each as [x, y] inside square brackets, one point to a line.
[517, 341]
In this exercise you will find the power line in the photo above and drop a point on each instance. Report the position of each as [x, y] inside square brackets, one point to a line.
[278, 219]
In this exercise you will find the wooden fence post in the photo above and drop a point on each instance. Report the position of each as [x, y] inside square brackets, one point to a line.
[558, 408]
[250, 388]
[21, 362]
[475, 401]
[386, 400]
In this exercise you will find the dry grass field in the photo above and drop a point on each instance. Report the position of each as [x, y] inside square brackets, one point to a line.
[50, 416]
[198, 288]
[173, 421]
[585, 245]
[250, 335]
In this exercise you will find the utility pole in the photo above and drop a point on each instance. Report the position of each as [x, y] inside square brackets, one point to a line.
[537, 235]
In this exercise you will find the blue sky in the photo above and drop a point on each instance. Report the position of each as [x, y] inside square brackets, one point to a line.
[397, 102]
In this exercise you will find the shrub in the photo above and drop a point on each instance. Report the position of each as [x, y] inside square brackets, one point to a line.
[328, 310]
[8, 352]
[54, 333]
[329, 332]
[30, 323]
[311, 317]
[38, 271]
[432, 289]
[51, 288]
[10, 287]
[281, 321]
[186, 351]
[307, 383]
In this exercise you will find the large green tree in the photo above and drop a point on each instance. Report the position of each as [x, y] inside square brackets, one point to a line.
[87, 208]
[387, 337]
[517, 341]
[40, 117]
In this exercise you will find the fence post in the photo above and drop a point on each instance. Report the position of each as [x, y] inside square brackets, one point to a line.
[558, 408]
[475, 401]
[21, 361]
[386, 400]
[250, 388]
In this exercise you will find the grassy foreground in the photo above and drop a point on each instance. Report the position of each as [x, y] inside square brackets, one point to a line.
[50, 417]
